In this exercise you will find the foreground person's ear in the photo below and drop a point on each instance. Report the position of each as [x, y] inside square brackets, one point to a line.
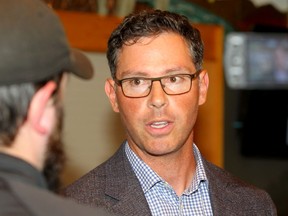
[41, 113]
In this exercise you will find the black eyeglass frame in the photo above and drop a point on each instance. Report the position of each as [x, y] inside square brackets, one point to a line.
[191, 76]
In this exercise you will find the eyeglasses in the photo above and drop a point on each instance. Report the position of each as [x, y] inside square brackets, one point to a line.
[176, 84]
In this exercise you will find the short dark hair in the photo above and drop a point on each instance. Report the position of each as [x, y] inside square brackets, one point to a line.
[152, 23]
[14, 104]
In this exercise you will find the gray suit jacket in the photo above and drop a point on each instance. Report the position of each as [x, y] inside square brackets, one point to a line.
[114, 185]
[20, 198]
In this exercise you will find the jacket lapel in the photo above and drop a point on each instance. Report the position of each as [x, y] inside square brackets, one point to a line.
[123, 185]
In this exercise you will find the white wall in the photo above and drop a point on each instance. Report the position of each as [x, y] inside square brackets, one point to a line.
[92, 131]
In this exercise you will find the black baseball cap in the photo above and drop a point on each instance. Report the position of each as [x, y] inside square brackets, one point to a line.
[33, 44]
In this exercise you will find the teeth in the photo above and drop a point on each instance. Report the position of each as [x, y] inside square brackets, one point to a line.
[159, 124]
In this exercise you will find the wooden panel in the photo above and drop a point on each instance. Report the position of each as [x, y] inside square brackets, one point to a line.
[88, 31]
[212, 36]
[209, 134]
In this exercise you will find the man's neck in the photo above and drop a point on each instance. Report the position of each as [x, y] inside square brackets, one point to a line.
[176, 169]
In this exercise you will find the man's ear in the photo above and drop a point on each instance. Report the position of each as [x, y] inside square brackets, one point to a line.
[203, 86]
[41, 113]
[111, 94]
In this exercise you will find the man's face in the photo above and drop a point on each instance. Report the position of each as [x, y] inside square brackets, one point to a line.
[159, 124]
[55, 157]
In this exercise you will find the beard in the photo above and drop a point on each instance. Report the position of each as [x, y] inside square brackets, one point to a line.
[55, 156]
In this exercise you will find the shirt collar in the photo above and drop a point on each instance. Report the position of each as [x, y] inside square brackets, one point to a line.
[148, 178]
[200, 175]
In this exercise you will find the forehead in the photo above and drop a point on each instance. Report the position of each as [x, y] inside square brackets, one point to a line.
[155, 55]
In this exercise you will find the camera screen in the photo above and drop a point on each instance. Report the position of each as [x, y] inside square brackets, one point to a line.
[267, 60]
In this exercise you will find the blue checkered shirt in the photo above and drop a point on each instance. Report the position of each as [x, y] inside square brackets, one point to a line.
[161, 197]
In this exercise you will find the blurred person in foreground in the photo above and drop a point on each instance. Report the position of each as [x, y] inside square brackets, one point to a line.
[35, 60]
[157, 86]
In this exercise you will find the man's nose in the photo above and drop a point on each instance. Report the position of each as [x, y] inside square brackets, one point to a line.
[158, 97]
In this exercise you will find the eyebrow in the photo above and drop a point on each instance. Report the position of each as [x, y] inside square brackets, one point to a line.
[130, 74]
[177, 69]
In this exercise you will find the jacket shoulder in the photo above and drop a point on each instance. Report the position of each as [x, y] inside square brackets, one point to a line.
[90, 188]
[85, 186]
[235, 195]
